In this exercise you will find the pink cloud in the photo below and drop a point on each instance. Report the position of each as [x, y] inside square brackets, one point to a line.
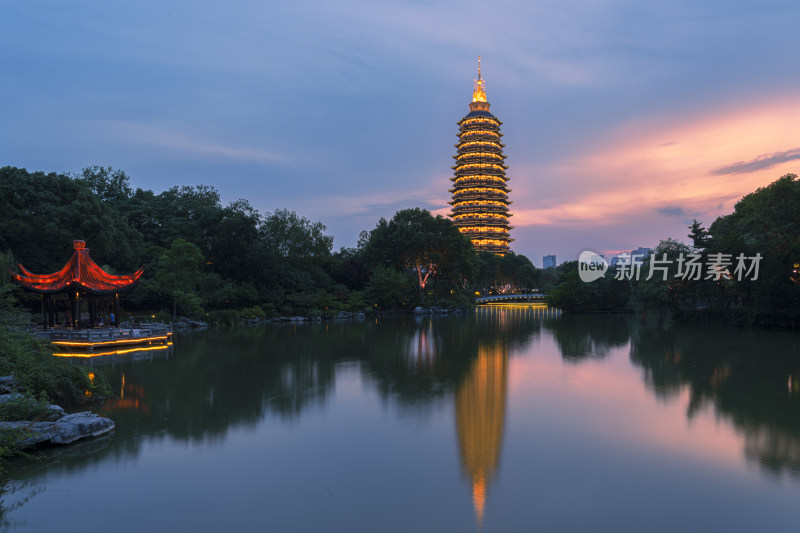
[697, 166]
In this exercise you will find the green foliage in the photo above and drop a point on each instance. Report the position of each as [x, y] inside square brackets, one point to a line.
[389, 289]
[657, 292]
[161, 316]
[224, 317]
[44, 213]
[699, 235]
[107, 184]
[25, 407]
[603, 295]
[356, 302]
[253, 312]
[178, 275]
[31, 362]
[294, 238]
[7, 263]
[763, 222]
[510, 272]
[10, 313]
[416, 241]
[202, 255]
[9, 446]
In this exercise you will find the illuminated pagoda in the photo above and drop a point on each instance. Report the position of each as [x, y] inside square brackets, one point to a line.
[480, 196]
[80, 279]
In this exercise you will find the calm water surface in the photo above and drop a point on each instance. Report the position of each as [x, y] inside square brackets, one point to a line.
[509, 419]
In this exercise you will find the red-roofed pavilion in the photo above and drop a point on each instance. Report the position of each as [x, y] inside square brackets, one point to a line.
[80, 278]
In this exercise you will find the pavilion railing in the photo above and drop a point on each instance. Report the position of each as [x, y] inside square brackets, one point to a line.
[126, 331]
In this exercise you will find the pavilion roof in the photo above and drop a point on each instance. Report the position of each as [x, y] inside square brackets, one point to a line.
[80, 273]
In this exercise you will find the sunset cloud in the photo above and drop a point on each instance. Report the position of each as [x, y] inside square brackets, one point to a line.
[637, 171]
[761, 162]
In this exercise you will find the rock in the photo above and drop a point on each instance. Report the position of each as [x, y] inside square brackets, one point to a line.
[79, 425]
[65, 430]
[11, 396]
[29, 433]
[7, 384]
[418, 310]
[56, 411]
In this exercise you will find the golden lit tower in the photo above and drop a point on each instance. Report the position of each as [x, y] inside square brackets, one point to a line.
[480, 196]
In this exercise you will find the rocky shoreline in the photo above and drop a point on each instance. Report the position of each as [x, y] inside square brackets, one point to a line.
[55, 427]
[183, 323]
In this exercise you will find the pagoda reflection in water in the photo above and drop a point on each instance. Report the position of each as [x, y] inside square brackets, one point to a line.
[480, 417]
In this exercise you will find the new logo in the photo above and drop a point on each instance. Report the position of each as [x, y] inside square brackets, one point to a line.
[591, 266]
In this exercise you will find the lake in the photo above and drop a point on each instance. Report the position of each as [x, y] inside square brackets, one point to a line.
[507, 419]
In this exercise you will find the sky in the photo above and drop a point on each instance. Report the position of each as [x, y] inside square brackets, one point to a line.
[623, 120]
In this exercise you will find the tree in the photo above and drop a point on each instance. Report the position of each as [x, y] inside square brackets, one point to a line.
[699, 235]
[764, 222]
[107, 184]
[658, 292]
[428, 246]
[178, 275]
[44, 213]
[389, 288]
[290, 236]
[573, 295]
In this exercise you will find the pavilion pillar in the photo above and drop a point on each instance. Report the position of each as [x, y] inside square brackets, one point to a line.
[76, 310]
[116, 309]
[92, 303]
[50, 307]
[44, 315]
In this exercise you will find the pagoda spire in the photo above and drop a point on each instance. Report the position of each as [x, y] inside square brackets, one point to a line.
[479, 92]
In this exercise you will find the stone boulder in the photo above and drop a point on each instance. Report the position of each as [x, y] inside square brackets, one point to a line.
[54, 411]
[7, 384]
[76, 426]
[65, 430]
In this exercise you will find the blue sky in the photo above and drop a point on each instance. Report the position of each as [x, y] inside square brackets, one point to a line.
[623, 120]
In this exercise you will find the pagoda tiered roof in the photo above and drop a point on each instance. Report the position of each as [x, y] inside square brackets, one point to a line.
[479, 194]
[80, 273]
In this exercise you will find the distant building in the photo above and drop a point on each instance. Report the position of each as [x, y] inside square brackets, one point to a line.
[636, 256]
[480, 196]
[549, 261]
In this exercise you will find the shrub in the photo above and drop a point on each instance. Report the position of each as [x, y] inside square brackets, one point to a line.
[25, 407]
[31, 362]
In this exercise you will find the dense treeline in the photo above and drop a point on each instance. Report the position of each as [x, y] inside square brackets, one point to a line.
[203, 258]
[756, 248]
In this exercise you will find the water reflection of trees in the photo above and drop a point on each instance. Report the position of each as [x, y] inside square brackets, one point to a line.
[236, 377]
[582, 337]
[747, 376]
[421, 360]
[226, 378]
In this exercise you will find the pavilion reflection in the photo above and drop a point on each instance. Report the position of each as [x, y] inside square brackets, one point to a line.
[480, 416]
[131, 397]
